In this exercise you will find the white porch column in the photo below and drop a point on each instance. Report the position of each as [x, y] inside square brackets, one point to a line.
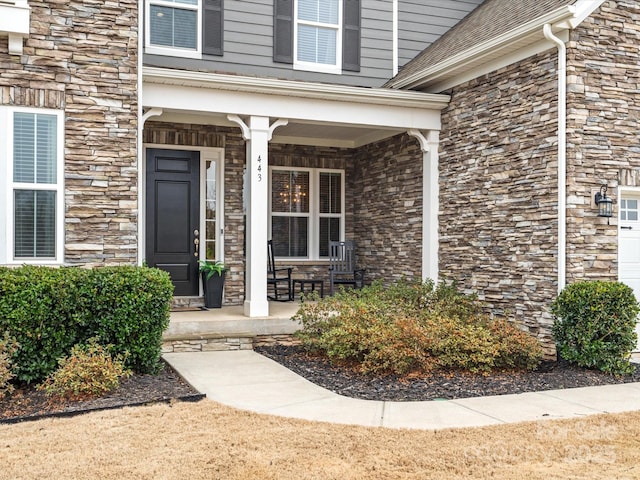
[430, 203]
[257, 134]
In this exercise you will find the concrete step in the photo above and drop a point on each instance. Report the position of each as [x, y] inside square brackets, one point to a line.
[227, 328]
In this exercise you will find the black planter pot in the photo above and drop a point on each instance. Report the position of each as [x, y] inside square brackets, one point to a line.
[213, 289]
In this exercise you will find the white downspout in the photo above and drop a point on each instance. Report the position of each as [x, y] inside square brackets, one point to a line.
[139, 139]
[562, 155]
[142, 118]
[395, 42]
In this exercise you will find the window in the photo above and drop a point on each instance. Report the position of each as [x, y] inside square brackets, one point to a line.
[34, 214]
[317, 35]
[186, 28]
[307, 211]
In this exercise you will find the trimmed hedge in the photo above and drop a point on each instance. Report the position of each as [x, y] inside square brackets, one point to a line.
[49, 310]
[595, 325]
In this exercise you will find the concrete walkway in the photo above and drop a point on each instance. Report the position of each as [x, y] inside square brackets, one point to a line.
[250, 381]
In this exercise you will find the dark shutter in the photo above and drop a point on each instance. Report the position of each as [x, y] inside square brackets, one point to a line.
[212, 27]
[351, 36]
[283, 31]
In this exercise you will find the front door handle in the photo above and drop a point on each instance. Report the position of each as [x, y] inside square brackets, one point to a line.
[196, 243]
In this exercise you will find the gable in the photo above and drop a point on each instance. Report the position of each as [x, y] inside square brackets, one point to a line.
[493, 32]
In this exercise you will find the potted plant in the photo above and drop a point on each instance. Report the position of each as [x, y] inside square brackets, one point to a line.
[213, 273]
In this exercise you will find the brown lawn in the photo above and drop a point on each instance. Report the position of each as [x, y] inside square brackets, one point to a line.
[207, 440]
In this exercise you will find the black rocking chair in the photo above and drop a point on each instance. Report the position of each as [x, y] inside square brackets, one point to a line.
[342, 265]
[276, 277]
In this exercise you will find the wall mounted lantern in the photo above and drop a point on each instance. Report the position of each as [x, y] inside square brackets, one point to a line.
[605, 205]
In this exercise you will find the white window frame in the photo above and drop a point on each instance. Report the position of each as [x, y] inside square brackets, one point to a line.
[314, 214]
[8, 186]
[318, 67]
[172, 51]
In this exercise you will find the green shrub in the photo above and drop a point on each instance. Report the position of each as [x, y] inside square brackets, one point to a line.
[131, 311]
[408, 327]
[595, 325]
[48, 310]
[89, 371]
[42, 309]
[7, 348]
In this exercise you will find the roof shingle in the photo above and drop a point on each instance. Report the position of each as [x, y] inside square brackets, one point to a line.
[490, 19]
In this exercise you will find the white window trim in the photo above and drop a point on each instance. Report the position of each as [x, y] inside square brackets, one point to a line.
[318, 67]
[314, 214]
[9, 186]
[172, 51]
[625, 191]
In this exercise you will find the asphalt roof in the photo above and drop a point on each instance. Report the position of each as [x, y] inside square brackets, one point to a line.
[490, 19]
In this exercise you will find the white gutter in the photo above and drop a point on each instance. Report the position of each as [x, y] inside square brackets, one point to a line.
[562, 155]
[308, 90]
[486, 48]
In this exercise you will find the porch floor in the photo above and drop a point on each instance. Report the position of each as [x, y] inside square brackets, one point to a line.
[230, 321]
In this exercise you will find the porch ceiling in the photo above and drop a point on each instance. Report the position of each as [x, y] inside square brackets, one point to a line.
[318, 114]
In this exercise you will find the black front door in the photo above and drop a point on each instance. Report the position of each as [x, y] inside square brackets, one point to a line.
[173, 216]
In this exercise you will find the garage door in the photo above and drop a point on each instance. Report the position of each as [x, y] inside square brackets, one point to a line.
[629, 244]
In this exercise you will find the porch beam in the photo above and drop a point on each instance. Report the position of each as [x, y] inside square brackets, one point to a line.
[429, 144]
[337, 111]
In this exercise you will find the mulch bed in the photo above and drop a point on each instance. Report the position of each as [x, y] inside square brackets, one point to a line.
[442, 385]
[27, 403]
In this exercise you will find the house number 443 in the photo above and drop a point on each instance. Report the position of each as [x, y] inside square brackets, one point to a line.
[259, 168]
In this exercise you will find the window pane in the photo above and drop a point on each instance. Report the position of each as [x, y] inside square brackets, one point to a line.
[210, 234]
[46, 147]
[185, 29]
[289, 191]
[34, 223]
[24, 148]
[290, 236]
[330, 193]
[328, 11]
[173, 27]
[34, 148]
[317, 45]
[329, 231]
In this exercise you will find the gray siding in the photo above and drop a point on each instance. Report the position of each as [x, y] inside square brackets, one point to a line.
[422, 22]
[248, 40]
[248, 46]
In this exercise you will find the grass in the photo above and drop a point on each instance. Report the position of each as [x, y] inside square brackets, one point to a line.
[207, 440]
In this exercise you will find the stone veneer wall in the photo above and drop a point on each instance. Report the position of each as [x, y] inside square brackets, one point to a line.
[387, 203]
[603, 132]
[231, 140]
[498, 193]
[81, 57]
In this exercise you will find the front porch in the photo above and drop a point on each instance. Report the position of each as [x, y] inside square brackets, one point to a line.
[252, 160]
[228, 328]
